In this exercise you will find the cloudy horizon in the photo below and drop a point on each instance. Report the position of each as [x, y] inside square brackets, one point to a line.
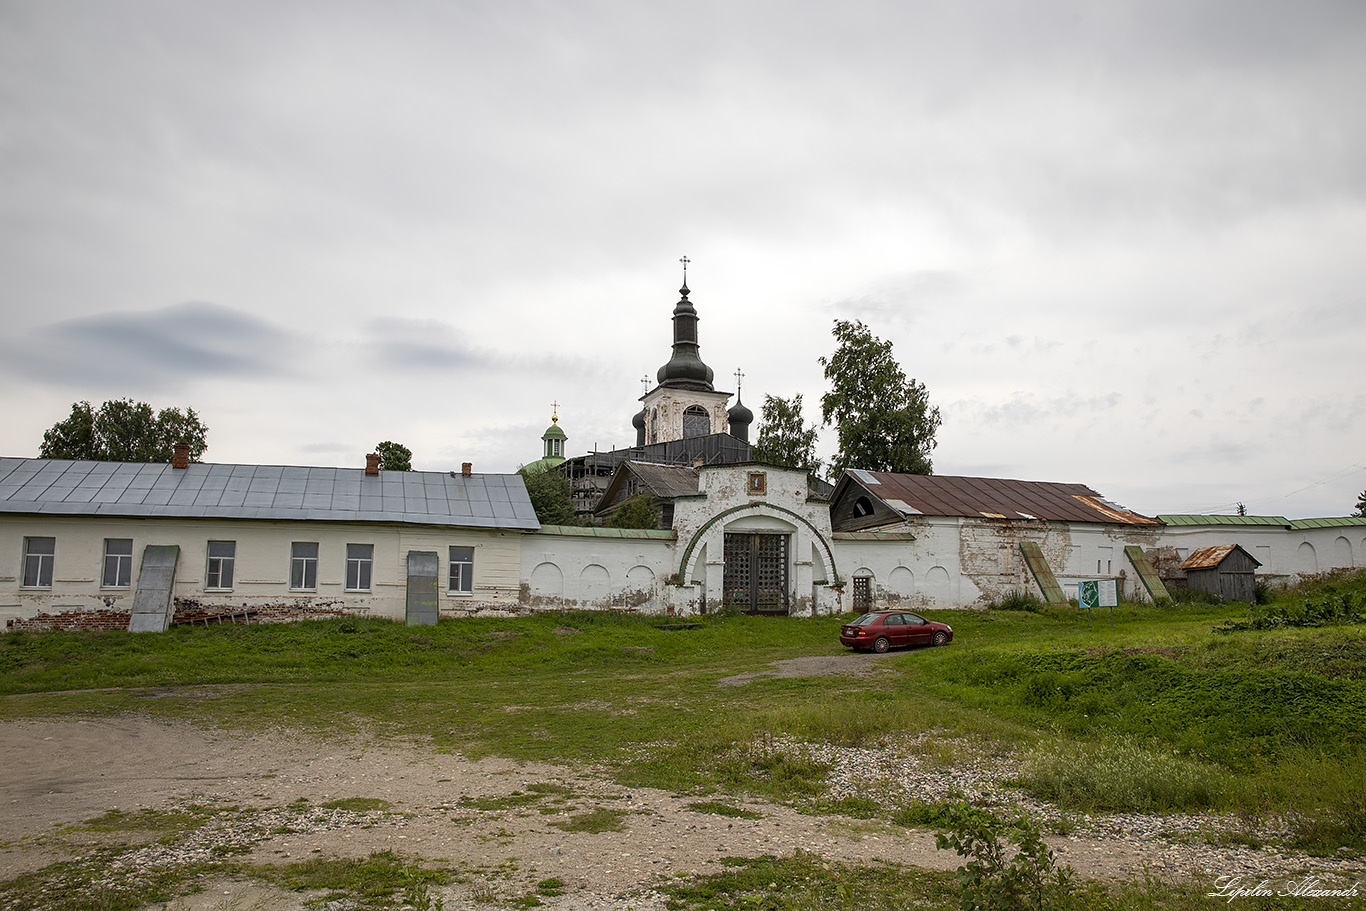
[1119, 243]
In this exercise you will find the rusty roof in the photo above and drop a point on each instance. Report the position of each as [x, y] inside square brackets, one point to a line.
[994, 498]
[1210, 557]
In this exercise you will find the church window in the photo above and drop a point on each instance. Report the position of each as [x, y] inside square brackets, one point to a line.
[654, 425]
[696, 423]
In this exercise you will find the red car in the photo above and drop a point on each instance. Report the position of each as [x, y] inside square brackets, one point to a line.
[881, 630]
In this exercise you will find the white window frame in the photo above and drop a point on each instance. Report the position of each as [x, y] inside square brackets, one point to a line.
[361, 558]
[122, 565]
[460, 575]
[40, 563]
[219, 566]
[303, 568]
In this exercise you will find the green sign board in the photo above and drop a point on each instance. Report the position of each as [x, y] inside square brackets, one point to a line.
[1098, 593]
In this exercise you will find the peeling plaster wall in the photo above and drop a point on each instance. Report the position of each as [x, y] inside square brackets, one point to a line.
[573, 572]
[261, 565]
[669, 404]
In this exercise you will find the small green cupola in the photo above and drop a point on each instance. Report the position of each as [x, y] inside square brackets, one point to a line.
[554, 438]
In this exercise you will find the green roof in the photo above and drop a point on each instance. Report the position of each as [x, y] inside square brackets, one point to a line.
[554, 430]
[1276, 521]
[593, 531]
[1329, 523]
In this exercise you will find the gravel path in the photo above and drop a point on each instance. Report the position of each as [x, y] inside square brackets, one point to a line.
[503, 821]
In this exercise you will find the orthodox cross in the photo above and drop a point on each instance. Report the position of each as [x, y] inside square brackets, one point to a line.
[739, 375]
[645, 382]
[555, 412]
[685, 262]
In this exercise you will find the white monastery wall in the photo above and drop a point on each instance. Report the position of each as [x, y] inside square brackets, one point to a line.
[1286, 554]
[568, 571]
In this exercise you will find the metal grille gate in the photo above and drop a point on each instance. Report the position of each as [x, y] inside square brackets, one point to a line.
[755, 578]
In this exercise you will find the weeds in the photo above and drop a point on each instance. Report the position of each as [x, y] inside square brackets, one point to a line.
[1119, 775]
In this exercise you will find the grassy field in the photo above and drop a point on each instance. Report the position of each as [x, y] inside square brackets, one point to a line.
[1159, 713]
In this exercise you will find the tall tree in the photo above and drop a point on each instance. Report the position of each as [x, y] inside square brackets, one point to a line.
[552, 496]
[394, 456]
[123, 430]
[784, 439]
[1361, 505]
[885, 421]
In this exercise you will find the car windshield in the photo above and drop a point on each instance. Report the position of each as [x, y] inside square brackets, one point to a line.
[864, 620]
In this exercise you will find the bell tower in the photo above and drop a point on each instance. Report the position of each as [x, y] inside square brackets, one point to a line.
[684, 404]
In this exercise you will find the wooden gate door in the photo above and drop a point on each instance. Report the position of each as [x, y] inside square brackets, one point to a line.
[756, 578]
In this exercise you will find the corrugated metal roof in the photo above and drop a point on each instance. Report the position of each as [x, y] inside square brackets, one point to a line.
[1211, 557]
[1276, 521]
[594, 531]
[1207, 557]
[224, 491]
[1342, 522]
[997, 498]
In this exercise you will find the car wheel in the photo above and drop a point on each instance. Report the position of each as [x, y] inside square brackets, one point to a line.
[881, 644]
[941, 638]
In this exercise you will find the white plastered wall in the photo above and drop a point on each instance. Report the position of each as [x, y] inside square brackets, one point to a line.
[261, 570]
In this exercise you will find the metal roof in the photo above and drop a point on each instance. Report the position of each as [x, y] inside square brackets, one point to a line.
[595, 531]
[994, 498]
[1276, 521]
[1211, 557]
[1328, 523]
[222, 491]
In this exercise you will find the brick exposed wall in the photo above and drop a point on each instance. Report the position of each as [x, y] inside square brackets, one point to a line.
[97, 620]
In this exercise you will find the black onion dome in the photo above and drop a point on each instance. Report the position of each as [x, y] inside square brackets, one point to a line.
[739, 414]
[685, 369]
[638, 422]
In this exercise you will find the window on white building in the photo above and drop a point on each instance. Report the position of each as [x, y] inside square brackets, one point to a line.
[303, 566]
[221, 556]
[39, 554]
[118, 563]
[359, 559]
[462, 570]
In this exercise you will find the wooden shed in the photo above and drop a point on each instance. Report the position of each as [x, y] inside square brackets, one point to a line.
[1225, 570]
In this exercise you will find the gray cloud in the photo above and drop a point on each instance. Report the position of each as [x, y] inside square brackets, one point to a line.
[151, 349]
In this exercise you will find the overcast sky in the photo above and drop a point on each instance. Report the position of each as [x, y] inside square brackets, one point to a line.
[1122, 244]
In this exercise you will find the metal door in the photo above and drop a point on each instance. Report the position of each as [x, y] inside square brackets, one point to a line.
[756, 576]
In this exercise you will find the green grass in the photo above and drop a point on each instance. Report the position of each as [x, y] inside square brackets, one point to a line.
[1260, 721]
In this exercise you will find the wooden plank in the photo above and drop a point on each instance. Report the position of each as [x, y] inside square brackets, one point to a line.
[1048, 583]
[1146, 574]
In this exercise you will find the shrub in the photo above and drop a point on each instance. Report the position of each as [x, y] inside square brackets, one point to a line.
[1018, 600]
[1030, 879]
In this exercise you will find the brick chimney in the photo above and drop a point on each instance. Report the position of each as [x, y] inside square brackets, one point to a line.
[372, 463]
[466, 468]
[180, 457]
